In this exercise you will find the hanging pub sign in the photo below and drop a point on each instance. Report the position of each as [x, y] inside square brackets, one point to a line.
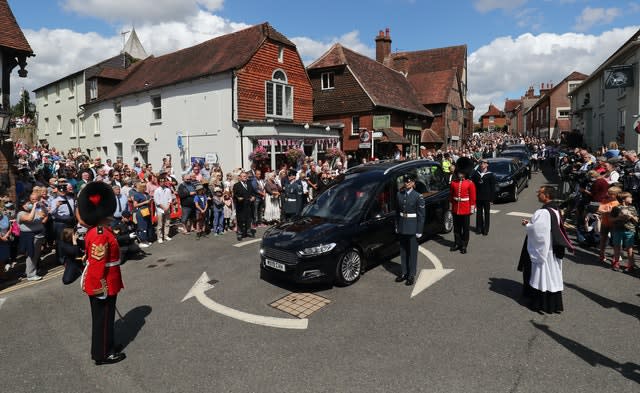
[619, 76]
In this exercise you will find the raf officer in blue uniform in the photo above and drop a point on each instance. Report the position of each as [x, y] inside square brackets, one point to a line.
[409, 225]
[293, 195]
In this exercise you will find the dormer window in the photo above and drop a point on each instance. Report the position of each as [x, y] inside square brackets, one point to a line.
[279, 96]
[327, 80]
[93, 89]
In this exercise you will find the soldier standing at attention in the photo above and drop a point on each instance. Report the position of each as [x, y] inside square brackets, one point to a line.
[409, 225]
[293, 195]
[101, 279]
[462, 195]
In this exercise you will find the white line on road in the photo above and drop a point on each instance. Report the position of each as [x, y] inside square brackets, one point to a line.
[202, 285]
[494, 211]
[2, 300]
[520, 214]
[247, 243]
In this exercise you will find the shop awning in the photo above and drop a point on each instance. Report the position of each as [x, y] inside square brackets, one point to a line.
[282, 130]
[390, 136]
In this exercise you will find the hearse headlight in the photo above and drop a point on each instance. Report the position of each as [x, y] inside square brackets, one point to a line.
[505, 183]
[317, 250]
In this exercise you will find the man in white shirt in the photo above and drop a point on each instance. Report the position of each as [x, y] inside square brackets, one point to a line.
[163, 197]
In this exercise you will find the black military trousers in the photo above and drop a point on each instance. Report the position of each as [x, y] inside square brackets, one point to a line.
[103, 312]
[461, 230]
[483, 216]
[244, 217]
[408, 254]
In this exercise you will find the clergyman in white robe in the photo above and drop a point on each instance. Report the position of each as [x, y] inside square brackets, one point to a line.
[546, 269]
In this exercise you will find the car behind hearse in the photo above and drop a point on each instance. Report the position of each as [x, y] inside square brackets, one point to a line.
[511, 177]
[351, 226]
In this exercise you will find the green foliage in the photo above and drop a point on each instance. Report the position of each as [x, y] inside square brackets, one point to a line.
[22, 107]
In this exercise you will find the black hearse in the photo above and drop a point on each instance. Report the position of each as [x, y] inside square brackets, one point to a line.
[352, 224]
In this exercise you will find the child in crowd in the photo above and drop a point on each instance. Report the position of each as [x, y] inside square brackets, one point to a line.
[217, 204]
[624, 219]
[228, 210]
[201, 203]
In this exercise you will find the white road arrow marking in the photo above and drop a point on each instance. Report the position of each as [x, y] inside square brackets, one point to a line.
[492, 211]
[428, 277]
[202, 285]
[520, 214]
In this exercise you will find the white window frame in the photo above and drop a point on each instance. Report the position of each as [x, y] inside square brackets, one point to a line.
[280, 54]
[46, 126]
[280, 87]
[93, 89]
[355, 130]
[119, 150]
[72, 125]
[59, 127]
[117, 114]
[571, 85]
[96, 124]
[156, 110]
[327, 80]
[81, 130]
[492, 119]
[72, 88]
[562, 109]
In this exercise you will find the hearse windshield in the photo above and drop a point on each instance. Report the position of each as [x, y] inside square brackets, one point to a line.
[344, 201]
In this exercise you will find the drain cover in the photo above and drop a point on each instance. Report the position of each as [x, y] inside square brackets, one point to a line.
[300, 305]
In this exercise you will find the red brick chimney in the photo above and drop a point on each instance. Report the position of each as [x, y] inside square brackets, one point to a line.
[383, 45]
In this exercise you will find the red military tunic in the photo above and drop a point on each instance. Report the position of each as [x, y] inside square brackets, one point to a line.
[103, 263]
[462, 195]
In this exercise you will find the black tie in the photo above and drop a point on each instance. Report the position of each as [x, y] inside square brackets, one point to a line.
[119, 205]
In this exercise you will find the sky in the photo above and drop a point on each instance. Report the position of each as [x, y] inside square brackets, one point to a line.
[512, 44]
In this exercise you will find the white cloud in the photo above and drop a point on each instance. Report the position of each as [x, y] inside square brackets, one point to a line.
[311, 49]
[141, 11]
[490, 5]
[507, 66]
[596, 16]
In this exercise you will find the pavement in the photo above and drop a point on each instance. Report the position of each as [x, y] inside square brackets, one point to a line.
[469, 331]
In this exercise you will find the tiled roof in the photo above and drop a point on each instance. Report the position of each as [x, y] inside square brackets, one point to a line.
[493, 111]
[11, 35]
[220, 54]
[430, 60]
[430, 136]
[390, 136]
[511, 105]
[433, 87]
[113, 73]
[386, 87]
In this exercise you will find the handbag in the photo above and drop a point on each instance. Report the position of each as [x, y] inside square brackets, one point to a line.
[15, 228]
[144, 212]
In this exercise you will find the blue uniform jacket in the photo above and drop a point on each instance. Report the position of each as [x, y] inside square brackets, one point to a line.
[410, 213]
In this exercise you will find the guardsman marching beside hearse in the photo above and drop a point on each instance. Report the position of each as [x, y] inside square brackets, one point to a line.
[409, 225]
[462, 195]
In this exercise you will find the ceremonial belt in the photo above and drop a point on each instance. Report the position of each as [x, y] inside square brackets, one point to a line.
[112, 264]
[408, 215]
[460, 199]
[291, 200]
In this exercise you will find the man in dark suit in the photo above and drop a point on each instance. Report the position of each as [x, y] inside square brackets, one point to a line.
[243, 197]
[485, 182]
[409, 225]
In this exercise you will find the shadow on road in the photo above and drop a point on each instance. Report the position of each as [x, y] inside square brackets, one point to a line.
[508, 288]
[127, 328]
[628, 370]
[625, 308]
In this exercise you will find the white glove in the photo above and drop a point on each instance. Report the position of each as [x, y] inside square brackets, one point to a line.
[132, 235]
[418, 235]
[473, 210]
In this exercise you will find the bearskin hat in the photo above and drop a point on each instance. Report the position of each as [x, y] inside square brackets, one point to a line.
[464, 165]
[96, 202]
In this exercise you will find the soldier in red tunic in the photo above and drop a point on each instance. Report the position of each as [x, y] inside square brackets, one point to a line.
[462, 195]
[101, 279]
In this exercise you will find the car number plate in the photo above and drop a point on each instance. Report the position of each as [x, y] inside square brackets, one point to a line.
[274, 264]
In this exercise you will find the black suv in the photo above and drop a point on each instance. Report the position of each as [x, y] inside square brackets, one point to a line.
[351, 225]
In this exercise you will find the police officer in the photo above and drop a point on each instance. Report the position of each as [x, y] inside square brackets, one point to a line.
[462, 195]
[293, 196]
[485, 182]
[409, 225]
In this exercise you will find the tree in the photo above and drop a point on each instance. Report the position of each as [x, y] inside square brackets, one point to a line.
[22, 108]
